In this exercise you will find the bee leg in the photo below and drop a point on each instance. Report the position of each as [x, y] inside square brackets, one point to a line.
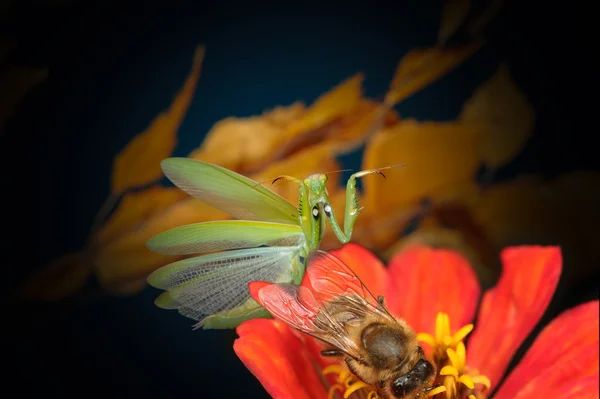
[419, 350]
[332, 352]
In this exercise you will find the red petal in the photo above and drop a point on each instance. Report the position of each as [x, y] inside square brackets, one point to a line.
[511, 309]
[424, 281]
[255, 286]
[278, 359]
[365, 265]
[563, 360]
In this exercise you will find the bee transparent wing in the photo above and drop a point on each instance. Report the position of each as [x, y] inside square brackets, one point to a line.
[209, 284]
[298, 307]
[331, 278]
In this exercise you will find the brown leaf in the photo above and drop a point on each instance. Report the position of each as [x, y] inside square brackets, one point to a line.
[438, 157]
[127, 258]
[503, 110]
[358, 126]
[233, 142]
[562, 212]
[16, 83]
[133, 211]
[59, 279]
[139, 163]
[418, 68]
[339, 101]
[453, 14]
[237, 143]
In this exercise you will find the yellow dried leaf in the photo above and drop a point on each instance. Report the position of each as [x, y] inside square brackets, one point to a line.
[59, 279]
[235, 143]
[562, 212]
[420, 67]
[128, 287]
[133, 211]
[127, 258]
[16, 83]
[438, 156]
[504, 111]
[356, 127]
[249, 144]
[339, 101]
[453, 14]
[139, 163]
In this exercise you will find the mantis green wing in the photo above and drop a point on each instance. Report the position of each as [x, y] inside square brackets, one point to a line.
[217, 283]
[225, 235]
[228, 191]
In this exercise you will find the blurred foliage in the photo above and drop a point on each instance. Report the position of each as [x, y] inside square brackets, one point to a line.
[439, 186]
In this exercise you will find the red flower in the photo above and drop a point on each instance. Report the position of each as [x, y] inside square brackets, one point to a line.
[429, 288]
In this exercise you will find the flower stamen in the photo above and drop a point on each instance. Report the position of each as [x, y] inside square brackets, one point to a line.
[443, 339]
[450, 356]
[347, 383]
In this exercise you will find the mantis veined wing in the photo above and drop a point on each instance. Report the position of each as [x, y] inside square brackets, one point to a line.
[209, 284]
[228, 191]
[225, 235]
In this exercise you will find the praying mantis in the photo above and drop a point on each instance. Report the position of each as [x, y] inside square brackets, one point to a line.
[269, 241]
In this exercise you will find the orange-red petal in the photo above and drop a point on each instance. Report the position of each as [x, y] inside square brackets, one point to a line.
[365, 265]
[279, 359]
[511, 309]
[424, 281]
[563, 360]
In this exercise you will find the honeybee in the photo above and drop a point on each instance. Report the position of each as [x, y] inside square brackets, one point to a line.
[338, 309]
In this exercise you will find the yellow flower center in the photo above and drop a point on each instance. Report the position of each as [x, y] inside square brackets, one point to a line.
[450, 354]
[347, 383]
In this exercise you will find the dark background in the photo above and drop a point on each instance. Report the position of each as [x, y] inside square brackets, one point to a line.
[114, 66]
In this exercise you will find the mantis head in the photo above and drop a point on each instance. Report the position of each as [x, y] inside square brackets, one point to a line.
[316, 183]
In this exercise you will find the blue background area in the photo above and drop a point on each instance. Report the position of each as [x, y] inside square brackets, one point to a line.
[114, 69]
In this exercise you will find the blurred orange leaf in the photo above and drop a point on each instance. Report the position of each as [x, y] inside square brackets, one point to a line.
[60, 279]
[127, 258]
[437, 155]
[418, 68]
[340, 101]
[500, 107]
[529, 210]
[139, 162]
[134, 209]
[235, 143]
[453, 14]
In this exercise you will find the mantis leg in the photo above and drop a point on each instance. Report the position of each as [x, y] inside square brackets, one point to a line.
[352, 209]
[311, 230]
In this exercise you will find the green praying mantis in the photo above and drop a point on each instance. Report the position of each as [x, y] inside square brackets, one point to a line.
[270, 241]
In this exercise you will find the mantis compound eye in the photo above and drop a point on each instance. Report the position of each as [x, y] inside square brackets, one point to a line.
[315, 212]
